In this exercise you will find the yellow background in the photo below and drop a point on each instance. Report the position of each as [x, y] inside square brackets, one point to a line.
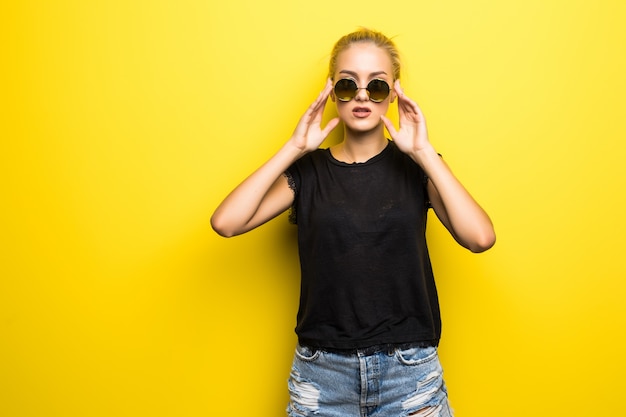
[124, 124]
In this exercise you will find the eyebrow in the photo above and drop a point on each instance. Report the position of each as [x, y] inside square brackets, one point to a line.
[354, 74]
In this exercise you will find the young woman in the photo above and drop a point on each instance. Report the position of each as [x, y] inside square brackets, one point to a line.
[368, 324]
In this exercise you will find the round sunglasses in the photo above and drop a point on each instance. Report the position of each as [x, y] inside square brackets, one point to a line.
[346, 89]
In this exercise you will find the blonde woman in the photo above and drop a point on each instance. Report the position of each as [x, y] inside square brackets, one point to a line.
[368, 324]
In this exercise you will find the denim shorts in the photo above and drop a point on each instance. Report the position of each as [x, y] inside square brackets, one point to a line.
[386, 383]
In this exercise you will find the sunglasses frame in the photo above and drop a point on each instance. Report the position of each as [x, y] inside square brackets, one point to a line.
[357, 88]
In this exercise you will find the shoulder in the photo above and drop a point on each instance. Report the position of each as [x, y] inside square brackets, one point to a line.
[320, 154]
[400, 158]
[315, 157]
[305, 166]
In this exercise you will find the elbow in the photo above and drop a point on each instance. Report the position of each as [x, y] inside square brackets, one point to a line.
[221, 227]
[483, 242]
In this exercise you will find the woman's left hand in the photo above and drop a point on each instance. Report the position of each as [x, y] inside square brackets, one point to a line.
[412, 136]
[456, 208]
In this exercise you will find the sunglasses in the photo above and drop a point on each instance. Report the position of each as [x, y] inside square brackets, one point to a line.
[346, 89]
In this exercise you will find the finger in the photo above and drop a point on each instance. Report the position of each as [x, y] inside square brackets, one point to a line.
[407, 104]
[323, 95]
[317, 107]
[389, 125]
[408, 108]
[321, 104]
[401, 94]
[330, 126]
[404, 102]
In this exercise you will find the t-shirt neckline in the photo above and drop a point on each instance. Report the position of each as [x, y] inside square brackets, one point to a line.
[370, 161]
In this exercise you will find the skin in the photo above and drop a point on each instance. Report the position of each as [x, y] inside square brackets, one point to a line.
[364, 137]
[266, 193]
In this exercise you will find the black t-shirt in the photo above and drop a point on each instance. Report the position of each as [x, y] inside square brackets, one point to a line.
[366, 276]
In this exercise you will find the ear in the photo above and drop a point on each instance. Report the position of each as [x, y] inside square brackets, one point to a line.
[394, 93]
[332, 95]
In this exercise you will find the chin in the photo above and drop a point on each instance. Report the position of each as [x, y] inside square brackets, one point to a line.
[363, 126]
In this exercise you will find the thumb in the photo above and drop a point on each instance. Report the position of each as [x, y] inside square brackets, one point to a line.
[330, 126]
[389, 125]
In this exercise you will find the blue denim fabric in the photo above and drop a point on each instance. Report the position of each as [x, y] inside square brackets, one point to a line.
[398, 382]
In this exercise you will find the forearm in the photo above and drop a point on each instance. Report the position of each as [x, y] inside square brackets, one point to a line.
[462, 215]
[262, 195]
[238, 209]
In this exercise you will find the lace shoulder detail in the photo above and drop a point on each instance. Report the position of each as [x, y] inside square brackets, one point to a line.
[293, 219]
[290, 181]
[425, 183]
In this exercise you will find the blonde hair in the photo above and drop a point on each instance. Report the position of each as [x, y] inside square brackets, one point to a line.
[365, 35]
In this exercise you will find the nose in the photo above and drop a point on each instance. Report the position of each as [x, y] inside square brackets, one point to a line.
[361, 94]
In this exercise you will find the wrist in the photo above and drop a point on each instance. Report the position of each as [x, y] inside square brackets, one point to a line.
[425, 154]
[292, 149]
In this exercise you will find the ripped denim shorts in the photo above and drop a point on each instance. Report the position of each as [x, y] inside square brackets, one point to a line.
[390, 382]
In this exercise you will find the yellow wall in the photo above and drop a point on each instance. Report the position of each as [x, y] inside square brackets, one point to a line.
[124, 123]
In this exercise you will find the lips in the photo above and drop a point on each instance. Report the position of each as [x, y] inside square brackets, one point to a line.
[361, 112]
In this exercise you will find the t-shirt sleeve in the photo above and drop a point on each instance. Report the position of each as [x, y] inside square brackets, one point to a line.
[425, 185]
[292, 174]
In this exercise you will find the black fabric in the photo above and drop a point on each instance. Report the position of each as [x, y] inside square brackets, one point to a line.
[366, 276]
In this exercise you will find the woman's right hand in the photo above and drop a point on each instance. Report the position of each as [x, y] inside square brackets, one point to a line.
[309, 135]
[266, 192]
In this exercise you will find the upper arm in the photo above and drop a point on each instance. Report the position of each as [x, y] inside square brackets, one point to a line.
[277, 199]
[473, 231]
[438, 206]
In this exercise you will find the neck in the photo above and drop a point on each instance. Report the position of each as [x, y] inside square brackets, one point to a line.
[362, 146]
[375, 134]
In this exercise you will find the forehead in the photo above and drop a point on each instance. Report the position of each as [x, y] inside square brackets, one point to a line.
[364, 58]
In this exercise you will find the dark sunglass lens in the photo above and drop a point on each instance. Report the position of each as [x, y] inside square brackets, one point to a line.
[345, 89]
[378, 90]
